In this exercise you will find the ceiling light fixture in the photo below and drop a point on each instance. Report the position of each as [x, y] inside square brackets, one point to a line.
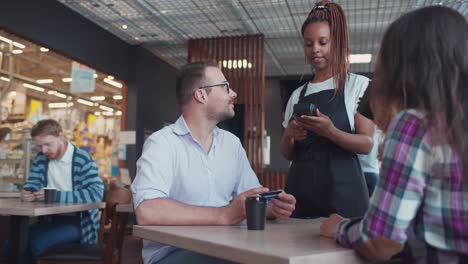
[61, 95]
[105, 108]
[107, 113]
[360, 58]
[43, 81]
[117, 97]
[67, 80]
[88, 103]
[98, 98]
[14, 43]
[43, 49]
[5, 79]
[235, 64]
[17, 51]
[124, 26]
[19, 45]
[112, 82]
[33, 87]
[60, 105]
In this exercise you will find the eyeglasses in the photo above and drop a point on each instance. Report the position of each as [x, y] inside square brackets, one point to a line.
[226, 83]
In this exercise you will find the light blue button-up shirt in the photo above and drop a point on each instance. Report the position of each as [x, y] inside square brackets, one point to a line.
[174, 165]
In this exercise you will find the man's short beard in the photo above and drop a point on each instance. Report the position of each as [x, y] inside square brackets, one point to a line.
[225, 116]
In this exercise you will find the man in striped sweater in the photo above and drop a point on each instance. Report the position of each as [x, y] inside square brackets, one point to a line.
[73, 173]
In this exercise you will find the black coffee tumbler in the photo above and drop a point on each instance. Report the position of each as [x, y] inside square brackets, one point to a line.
[49, 195]
[255, 208]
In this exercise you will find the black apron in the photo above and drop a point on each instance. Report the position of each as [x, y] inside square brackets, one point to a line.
[324, 177]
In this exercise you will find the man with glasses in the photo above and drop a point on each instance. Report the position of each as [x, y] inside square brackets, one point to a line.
[189, 170]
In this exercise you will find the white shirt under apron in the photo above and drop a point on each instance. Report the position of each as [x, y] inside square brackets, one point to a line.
[355, 87]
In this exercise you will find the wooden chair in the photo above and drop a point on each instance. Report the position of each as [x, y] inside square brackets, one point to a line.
[109, 247]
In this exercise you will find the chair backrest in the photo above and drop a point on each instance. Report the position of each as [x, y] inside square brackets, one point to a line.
[118, 222]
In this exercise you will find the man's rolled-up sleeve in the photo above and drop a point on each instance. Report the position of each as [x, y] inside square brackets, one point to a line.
[154, 171]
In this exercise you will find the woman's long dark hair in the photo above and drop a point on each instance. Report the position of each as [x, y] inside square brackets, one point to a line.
[423, 64]
[326, 11]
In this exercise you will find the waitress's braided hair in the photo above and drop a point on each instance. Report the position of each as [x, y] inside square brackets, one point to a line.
[326, 11]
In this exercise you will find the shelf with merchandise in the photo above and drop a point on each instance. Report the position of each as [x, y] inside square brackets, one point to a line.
[15, 158]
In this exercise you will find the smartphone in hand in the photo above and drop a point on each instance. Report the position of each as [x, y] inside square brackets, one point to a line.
[308, 109]
[271, 194]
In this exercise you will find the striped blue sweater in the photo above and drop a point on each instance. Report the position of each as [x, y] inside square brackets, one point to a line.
[87, 187]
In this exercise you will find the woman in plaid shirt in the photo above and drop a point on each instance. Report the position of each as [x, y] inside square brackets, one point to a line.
[420, 97]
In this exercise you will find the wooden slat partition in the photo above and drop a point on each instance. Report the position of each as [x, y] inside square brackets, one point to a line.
[273, 179]
[241, 58]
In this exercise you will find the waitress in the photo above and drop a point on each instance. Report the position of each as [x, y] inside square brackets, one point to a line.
[325, 174]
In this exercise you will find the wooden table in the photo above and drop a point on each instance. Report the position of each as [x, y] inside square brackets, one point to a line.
[292, 241]
[19, 220]
[10, 195]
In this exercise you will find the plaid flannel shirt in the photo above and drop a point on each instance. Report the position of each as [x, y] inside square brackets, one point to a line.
[420, 199]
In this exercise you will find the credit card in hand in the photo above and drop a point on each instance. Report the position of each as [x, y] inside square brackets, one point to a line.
[270, 195]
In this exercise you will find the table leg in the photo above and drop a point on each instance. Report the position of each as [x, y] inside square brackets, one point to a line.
[19, 228]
